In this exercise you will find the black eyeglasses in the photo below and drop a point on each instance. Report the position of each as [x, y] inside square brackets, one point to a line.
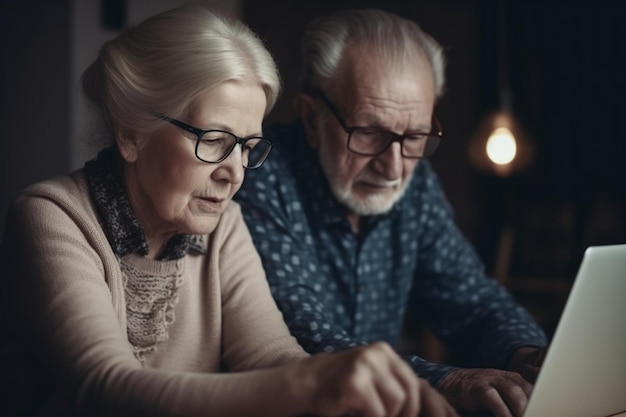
[214, 146]
[371, 141]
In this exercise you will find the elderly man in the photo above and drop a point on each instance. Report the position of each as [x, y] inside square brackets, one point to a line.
[352, 225]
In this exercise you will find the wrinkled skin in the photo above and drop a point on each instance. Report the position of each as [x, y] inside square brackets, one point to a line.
[502, 393]
[371, 381]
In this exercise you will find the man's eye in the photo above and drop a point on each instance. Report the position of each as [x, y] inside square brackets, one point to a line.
[368, 132]
[417, 136]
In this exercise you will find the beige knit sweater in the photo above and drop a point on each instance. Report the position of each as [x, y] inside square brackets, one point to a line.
[64, 302]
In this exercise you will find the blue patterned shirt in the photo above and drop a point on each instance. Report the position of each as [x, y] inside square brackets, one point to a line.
[338, 289]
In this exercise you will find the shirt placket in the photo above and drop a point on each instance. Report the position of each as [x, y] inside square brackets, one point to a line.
[365, 302]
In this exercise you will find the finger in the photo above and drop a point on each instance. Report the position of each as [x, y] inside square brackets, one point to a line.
[412, 403]
[393, 394]
[366, 396]
[516, 399]
[524, 384]
[490, 398]
[371, 404]
[411, 388]
[397, 383]
[433, 403]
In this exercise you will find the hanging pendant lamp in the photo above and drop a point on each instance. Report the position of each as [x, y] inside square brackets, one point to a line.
[500, 145]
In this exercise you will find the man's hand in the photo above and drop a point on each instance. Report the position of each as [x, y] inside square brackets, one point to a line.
[527, 361]
[503, 393]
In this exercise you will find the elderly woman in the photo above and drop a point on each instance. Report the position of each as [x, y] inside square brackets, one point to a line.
[130, 284]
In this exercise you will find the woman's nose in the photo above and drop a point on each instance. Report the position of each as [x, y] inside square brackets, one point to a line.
[231, 169]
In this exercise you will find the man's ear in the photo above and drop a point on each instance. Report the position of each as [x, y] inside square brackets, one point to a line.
[305, 107]
[127, 145]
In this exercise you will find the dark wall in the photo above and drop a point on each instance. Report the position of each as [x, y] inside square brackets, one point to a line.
[35, 89]
[567, 74]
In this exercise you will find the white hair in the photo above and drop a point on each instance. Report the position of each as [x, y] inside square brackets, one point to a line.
[395, 39]
[160, 66]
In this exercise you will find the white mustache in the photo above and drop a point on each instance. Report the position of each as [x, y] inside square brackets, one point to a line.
[380, 182]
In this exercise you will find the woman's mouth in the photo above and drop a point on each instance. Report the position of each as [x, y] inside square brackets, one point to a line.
[211, 204]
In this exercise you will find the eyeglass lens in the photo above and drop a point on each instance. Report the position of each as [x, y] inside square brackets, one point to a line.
[215, 146]
[375, 142]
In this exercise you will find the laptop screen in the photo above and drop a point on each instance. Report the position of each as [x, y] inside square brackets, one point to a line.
[584, 372]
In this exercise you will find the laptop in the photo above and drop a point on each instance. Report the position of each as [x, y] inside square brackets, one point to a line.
[584, 371]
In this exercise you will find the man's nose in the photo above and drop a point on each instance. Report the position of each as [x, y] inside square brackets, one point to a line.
[389, 163]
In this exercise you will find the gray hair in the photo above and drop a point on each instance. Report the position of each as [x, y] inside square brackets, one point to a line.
[162, 65]
[393, 38]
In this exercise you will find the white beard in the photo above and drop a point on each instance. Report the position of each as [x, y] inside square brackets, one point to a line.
[371, 204]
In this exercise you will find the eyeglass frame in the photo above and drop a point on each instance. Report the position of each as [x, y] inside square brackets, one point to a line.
[238, 141]
[394, 136]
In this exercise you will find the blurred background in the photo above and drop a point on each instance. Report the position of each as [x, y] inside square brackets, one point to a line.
[552, 71]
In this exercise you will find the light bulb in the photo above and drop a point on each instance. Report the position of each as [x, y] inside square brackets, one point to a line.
[501, 146]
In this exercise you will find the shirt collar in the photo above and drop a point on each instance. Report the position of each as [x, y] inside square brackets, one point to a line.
[325, 209]
[123, 231]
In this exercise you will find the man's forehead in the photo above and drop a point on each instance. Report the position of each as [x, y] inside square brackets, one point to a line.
[367, 73]
[374, 95]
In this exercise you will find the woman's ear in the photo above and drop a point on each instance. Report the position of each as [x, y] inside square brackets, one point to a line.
[127, 145]
[305, 108]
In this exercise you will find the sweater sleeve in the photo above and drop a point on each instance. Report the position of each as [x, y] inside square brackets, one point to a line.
[254, 332]
[60, 310]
